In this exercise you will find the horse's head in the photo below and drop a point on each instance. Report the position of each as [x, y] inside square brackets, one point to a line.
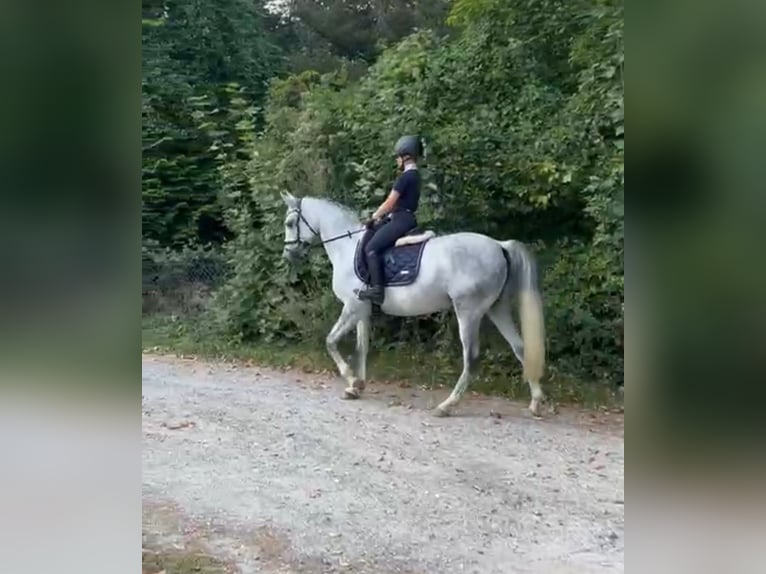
[299, 233]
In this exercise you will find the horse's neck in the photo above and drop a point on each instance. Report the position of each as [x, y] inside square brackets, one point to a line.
[332, 222]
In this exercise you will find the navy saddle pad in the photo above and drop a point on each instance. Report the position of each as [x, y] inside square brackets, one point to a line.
[400, 264]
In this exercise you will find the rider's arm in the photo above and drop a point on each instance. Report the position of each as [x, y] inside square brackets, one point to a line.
[387, 205]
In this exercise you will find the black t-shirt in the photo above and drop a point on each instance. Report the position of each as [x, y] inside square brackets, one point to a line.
[408, 186]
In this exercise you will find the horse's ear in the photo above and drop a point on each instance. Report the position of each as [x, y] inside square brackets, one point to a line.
[289, 199]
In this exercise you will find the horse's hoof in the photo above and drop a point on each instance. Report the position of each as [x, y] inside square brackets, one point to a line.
[441, 412]
[534, 406]
[350, 393]
[358, 384]
[355, 386]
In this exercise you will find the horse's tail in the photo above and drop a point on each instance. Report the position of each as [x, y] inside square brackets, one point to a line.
[522, 278]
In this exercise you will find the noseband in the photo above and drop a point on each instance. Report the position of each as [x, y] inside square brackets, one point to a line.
[314, 231]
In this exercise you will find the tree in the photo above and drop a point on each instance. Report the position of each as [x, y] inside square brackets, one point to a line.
[192, 52]
[353, 30]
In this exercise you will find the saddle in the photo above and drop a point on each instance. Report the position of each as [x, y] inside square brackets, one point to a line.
[401, 263]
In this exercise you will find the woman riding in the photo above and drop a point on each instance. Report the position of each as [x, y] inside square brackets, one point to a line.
[395, 216]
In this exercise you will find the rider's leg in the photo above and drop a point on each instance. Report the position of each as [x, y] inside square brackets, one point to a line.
[374, 291]
[384, 238]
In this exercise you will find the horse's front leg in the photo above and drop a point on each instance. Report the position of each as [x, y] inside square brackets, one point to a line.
[348, 318]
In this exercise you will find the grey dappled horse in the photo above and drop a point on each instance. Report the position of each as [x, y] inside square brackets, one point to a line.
[473, 273]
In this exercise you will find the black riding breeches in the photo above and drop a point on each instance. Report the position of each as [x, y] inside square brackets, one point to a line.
[386, 234]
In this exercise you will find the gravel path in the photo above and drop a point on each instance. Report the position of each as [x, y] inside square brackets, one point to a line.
[273, 472]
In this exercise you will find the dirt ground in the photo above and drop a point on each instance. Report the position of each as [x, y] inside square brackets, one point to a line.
[268, 471]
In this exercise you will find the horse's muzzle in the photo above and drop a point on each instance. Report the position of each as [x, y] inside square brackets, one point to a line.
[293, 253]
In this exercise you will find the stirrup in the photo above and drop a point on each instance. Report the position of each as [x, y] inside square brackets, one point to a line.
[375, 294]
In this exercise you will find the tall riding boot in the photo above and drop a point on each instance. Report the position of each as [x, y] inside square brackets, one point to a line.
[374, 292]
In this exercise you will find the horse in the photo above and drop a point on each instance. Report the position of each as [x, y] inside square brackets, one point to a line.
[471, 273]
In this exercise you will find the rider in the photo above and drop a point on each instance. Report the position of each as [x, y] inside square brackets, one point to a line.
[395, 216]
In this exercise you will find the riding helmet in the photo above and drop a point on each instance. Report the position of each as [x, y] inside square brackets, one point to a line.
[409, 145]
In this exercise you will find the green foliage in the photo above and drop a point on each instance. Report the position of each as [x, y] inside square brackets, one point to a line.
[358, 29]
[195, 56]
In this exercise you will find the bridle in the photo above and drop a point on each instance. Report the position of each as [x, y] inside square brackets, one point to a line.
[298, 239]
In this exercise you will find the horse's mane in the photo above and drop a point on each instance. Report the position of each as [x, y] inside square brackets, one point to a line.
[346, 210]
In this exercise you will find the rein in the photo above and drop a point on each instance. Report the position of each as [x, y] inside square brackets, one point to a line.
[348, 234]
[298, 239]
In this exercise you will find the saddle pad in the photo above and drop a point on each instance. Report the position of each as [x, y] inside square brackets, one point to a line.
[401, 265]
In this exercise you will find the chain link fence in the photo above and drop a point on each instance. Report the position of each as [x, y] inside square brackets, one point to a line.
[180, 282]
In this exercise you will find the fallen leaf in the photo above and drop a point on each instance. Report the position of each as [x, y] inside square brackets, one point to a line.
[178, 425]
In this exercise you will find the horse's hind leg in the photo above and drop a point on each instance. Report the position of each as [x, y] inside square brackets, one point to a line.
[362, 348]
[501, 316]
[469, 321]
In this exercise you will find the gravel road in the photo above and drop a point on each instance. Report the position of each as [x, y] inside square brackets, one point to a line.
[273, 472]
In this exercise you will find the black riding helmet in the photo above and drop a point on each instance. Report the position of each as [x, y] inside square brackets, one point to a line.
[409, 145]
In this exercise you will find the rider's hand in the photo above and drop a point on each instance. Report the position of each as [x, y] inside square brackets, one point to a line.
[370, 223]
